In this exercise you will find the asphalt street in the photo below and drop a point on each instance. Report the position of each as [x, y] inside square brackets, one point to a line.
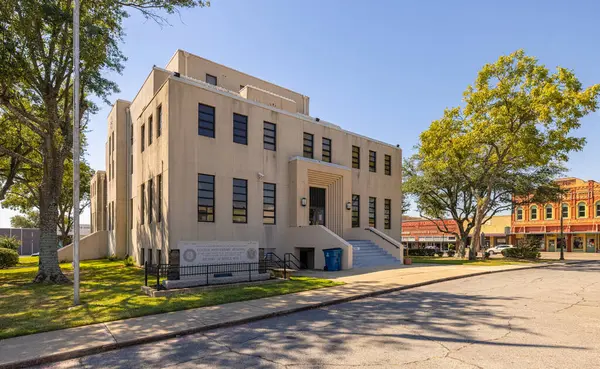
[536, 318]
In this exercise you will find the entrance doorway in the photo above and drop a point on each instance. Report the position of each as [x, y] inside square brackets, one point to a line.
[316, 211]
[307, 257]
[551, 244]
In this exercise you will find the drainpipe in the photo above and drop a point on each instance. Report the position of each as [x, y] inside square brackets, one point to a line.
[128, 176]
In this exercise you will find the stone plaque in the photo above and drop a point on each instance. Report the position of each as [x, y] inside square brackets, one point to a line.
[217, 252]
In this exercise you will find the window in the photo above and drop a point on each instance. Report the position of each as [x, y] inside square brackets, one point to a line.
[142, 137]
[270, 136]
[269, 203]
[206, 120]
[598, 209]
[158, 121]
[387, 214]
[549, 212]
[131, 142]
[355, 157]
[113, 141]
[143, 204]
[581, 210]
[113, 169]
[387, 166]
[142, 256]
[240, 200]
[308, 145]
[211, 79]
[160, 195]
[326, 150]
[355, 211]
[533, 213]
[372, 161]
[519, 213]
[150, 131]
[564, 211]
[206, 198]
[150, 199]
[240, 129]
[372, 212]
[131, 162]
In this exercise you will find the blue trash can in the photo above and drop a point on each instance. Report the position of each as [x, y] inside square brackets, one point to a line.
[333, 259]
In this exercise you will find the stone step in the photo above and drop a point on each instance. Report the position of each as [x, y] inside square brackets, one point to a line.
[366, 254]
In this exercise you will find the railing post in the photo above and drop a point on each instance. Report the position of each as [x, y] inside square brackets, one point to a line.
[250, 272]
[157, 277]
[284, 268]
[146, 273]
[206, 270]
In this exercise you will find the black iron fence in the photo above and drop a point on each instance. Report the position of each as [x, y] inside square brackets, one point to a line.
[210, 271]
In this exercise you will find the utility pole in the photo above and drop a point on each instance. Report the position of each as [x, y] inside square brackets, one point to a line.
[562, 239]
[76, 153]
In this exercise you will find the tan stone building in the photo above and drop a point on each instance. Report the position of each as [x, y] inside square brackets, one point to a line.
[204, 152]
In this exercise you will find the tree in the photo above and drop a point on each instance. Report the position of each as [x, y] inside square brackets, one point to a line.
[513, 135]
[25, 221]
[36, 91]
[24, 196]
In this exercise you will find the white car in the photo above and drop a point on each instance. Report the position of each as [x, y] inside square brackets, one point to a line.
[498, 249]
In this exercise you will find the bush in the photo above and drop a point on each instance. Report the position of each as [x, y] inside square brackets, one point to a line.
[439, 253]
[451, 253]
[113, 257]
[528, 249]
[8, 258]
[486, 255]
[128, 261]
[421, 252]
[10, 243]
[452, 247]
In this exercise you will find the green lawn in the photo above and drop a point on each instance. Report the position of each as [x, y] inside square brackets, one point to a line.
[109, 291]
[456, 261]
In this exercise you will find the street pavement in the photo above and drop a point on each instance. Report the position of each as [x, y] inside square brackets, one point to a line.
[535, 318]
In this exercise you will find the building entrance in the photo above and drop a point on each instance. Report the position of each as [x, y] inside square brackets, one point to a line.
[316, 213]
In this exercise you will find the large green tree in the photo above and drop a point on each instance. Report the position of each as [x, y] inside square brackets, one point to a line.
[511, 137]
[29, 220]
[36, 90]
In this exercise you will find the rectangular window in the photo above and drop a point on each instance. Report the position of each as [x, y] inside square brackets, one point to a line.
[150, 131]
[240, 200]
[270, 136]
[372, 212]
[113, 169]
[355, 211]
[142, 137]
[240, 129]
[158, 121]
[387, 214]
[131, 162]
[326, 150]
[113, 141]
[150, 199]
[269, 203]
[206, 120]
[355, 157]
[388, 165]
[143, 204]
[372, 161]
[206, 198]
[210, 79]
[308, 145]
[131, 142]
[160, 194]
[142, 256]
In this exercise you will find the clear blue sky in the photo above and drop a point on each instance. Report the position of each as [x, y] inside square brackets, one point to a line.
[384, 69]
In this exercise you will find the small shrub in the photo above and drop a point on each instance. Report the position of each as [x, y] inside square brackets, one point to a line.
[439, 253]
[10, 243]
[8, 258]
[430, 252]
[128, 261]
[451, 253]
[486, 255]
[113, 257]
[452, 247]
[528, 249]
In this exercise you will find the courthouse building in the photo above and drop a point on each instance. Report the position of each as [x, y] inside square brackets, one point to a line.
[580, 210]
[204, 152]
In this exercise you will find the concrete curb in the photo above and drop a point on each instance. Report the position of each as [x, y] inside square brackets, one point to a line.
[160, 337]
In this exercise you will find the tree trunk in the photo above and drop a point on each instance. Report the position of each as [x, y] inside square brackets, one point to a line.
[49, 270]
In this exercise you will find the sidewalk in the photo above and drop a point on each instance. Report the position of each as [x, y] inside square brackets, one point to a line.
[75, 342]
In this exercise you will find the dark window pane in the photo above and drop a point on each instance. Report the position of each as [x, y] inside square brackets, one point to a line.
[240, 203]
[355, 211]
[211, 79]
[206, 120]
[308, 145]
[269, 203]
[355, 157]
[387, 214]
[206, 198]
[372, 161]
[388, 165]
[327, 150]
[372, 212]
[240, 129]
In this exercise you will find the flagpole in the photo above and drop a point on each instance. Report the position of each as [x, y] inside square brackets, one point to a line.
[76, 153]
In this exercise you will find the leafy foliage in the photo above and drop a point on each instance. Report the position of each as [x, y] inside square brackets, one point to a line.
[10, 243]
[29, 220]
[529, 248]
[506, 144]
[8, 258]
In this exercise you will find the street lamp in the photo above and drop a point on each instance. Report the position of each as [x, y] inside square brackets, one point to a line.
[76, 153]
[562, 248]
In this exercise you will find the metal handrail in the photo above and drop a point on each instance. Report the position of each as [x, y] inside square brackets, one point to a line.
[287, 257]
[383, 238]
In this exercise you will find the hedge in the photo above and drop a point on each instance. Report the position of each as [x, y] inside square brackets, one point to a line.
[8, 258]
[10, 243]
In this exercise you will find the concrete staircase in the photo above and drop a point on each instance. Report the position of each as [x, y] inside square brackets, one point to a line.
[366, 254]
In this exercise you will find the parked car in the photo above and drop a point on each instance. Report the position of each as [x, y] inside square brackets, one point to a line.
[498, 249]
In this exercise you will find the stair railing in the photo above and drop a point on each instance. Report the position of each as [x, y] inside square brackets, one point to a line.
[292, 261]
